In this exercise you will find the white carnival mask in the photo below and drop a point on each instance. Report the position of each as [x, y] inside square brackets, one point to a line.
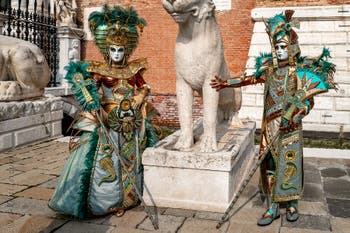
[281, 51]
[116, 53]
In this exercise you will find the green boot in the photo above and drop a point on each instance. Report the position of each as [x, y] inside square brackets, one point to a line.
[292, 211]
[271, 214]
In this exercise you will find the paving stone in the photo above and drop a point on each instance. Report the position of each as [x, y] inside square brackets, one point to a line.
[36, 193]
[129, 220]
[309, 222]
[54, 172]
[167, 224]
[309, 166]
[128, 230]
[346, 162]
[81, 227]
[8, 170]
[299, 230]
[334, 172]
[251, 228]
[8, 159]
[312, 208]
[312, 177]
[23, 205]
[324, 163]
[337, 188]
[9, 189]
[313, 192]
[192, 225]
[4, 199]
[339, 207]
[340, 225]
[33, 224]
[208, 215]
[51, 184]
[6, 218]
[33, 177]
[180, 212]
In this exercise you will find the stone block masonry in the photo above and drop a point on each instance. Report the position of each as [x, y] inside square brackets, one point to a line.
[23, 122]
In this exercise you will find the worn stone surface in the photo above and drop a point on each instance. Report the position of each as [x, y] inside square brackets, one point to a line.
[36, 193]
[312, 177]
[254, 228]
[49, 184]
[180, 212]
[4, 198]
[333, 172]
[9, 189]
[208, 215]
[6, 218]
[300, 230]
[192, 225]
[340, 225]
[312, 192]
[167, 223]
[312, 208]
[80, 227]
[339, 207]
[32, 224]
[309, 222]
[23, 205]
[129, 220]
[337, 188]
[33, 177]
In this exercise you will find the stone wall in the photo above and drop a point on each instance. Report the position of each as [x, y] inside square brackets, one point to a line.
[23, 122]
[320, 26]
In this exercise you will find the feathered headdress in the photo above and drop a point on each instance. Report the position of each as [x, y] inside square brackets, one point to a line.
[279, 28]
[116, 26]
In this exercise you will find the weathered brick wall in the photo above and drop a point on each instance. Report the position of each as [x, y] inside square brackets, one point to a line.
[158, 41]
[284, 3]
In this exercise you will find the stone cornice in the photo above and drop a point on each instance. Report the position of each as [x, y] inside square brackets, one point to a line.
[309, 13]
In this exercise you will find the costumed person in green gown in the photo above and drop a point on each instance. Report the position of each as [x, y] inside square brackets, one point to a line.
[93, 181]
[290, 81]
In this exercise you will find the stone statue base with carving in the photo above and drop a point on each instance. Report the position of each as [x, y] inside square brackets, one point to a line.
[23, 122]
[196, 180]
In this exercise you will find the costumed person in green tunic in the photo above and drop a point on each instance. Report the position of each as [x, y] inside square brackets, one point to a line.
[93, 181]
[290, 81]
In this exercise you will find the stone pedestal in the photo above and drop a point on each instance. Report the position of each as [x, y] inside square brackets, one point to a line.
[23, 122]
[196, 180]
[66, 35]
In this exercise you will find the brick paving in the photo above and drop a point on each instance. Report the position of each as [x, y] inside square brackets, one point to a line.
[29, 174]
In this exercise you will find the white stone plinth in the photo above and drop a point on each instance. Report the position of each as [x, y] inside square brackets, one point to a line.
[23, 122]
[196, 180]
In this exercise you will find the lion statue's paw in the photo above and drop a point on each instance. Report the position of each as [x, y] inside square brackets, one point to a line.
[208, 144]
[236, 121]
[185, 142]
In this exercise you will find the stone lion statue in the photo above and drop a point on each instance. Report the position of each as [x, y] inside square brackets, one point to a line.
[24, 72]
[199, 56]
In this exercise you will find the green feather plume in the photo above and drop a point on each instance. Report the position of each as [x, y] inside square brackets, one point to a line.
[84, 88]
[259, 62]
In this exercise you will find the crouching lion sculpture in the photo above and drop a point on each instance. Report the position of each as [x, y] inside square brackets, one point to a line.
[199, 56]
[24, 72]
